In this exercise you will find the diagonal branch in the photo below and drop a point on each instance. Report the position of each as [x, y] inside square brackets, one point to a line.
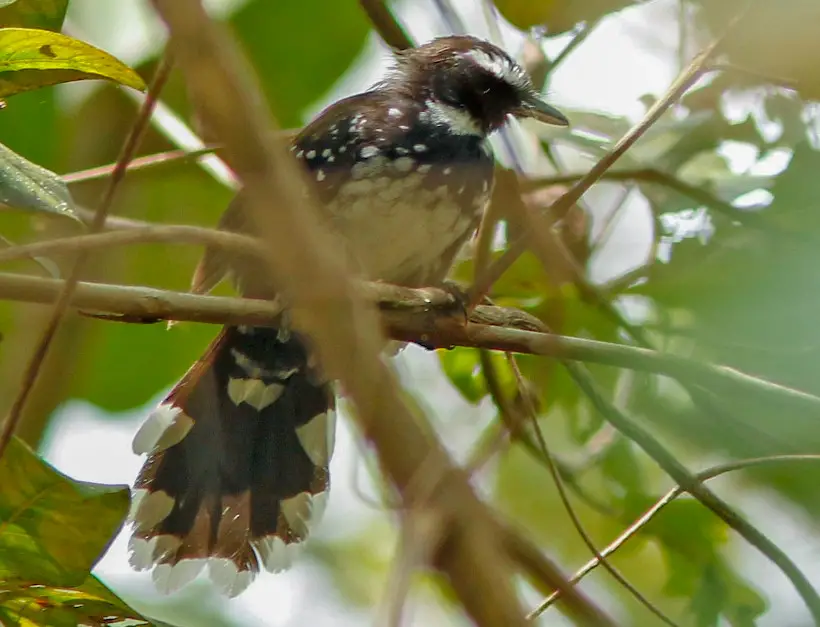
[657, 506]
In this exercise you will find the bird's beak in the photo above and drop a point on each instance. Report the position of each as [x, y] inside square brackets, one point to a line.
[533, 107]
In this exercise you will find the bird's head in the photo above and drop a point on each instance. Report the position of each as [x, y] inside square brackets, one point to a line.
[470, 85]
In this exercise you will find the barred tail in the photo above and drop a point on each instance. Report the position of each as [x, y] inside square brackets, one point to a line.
[237, 465]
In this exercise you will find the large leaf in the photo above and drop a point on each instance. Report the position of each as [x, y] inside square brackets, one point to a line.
[556, 16]
[777, 39]
[46, 14]
[31, 58]
[25, 185]
[52, 529]
[315, 43]
[92, 604]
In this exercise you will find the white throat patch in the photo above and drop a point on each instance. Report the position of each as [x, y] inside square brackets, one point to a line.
[457, 120]
[504, 68]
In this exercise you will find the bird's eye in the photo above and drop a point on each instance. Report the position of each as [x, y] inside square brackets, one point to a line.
[449, 94]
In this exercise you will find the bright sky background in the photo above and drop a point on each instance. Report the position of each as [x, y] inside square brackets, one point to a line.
[624, 59]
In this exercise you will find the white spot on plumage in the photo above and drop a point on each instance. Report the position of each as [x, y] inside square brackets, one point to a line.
[370, 167]
[275, 554]
[298, 511]
[137, 497]
[254, 392]
[502, 67]
[424, 168]
[368, 151]
[357, 188]
[393, 112]
[331, 159]
[318, 437]
[165, 426]
[311, 154]
[150, 508]
[320, 175]
[255, 371]
[342, 148]
[420, 147]
[227, 577]
[404, 164]
[169, 578]
[402, 151]
[143, 554]
[456, 120]
[327, 152]
[319, 506]
[244, 329]
[447, 171]
[404, 127]
[300, 154]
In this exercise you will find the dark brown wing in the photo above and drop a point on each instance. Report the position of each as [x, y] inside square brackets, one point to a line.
[329, 143]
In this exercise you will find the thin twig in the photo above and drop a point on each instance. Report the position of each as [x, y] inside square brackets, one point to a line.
[421, 535]
[40, 352]
[386, 24]
[691, 484]
[140, 163]
[546, 577]
[653, 175]
[512, 426]
[181, 234]
[643, 519]
[532, 414]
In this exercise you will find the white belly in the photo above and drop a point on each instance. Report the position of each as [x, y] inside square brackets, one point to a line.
[397, 229]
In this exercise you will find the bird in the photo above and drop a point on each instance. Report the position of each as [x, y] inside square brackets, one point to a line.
[238, 453]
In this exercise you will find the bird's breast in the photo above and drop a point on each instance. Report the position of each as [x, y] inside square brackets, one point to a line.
[400, 192]
[399, 218]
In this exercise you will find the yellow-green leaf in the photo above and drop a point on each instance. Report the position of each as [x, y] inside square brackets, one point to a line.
[31, 58]
[47, 14]
[34, 605]
[52, 529]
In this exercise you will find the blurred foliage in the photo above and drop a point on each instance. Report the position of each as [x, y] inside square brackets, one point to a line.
[730, 279]
[44, 536]
[48, 544]
[556, 16]
[45, 14]
[91, 604]
[776, 40]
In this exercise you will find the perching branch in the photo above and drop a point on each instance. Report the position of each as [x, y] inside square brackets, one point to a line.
[427, 316]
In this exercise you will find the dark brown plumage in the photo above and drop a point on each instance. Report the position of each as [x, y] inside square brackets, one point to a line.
[239, 452]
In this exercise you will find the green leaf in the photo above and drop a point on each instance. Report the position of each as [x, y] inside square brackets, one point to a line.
[46, 14]
[52, 529]
[31, 58]
[26, 185]
[33, 605]
[462, 367]
[319, 41]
